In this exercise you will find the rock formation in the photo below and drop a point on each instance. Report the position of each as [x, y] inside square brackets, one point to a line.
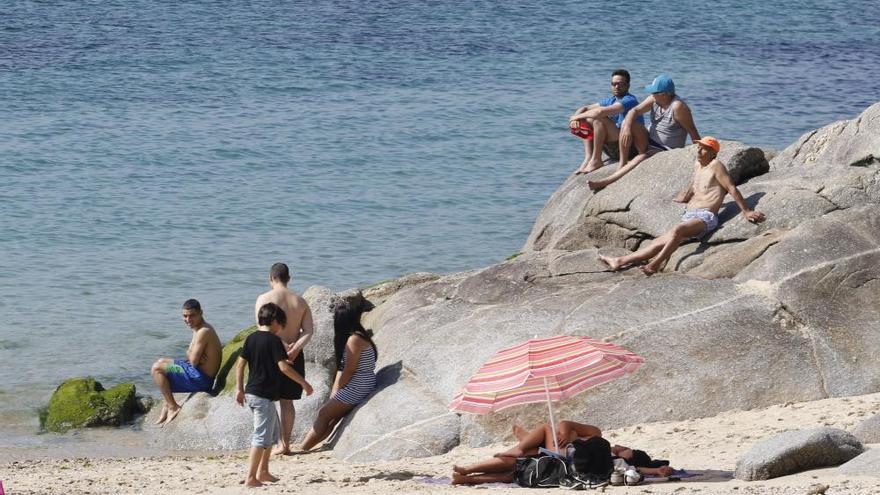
[81, 402]
[754, 315]
[795, 451]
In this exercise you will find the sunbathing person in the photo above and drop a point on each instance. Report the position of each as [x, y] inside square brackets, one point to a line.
[671, 124]
[356, 363]
[500, 468]
[704, 196]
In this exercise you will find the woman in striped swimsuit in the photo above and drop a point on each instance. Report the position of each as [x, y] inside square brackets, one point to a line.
[355, 377]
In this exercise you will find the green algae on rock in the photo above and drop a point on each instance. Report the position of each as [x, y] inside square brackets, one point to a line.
[231, 351]
[80, 402]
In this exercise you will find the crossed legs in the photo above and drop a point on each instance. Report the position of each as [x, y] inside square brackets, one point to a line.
[660, 249]
[500, 468]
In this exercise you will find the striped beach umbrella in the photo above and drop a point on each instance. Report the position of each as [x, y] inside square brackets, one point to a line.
[547, 369]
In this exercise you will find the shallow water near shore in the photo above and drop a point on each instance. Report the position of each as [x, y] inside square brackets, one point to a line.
[155, 152]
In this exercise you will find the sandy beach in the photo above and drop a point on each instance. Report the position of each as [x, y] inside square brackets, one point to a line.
[709, 446]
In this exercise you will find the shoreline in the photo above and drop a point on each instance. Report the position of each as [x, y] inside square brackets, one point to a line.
[708, 445]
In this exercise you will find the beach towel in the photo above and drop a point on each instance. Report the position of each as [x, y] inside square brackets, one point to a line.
[583, 130]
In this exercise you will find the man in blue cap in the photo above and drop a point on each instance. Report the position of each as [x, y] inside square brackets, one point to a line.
[671, 123]
[601, 122]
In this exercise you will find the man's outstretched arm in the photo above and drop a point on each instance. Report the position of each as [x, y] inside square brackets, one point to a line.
[598, 111]
[726, 182]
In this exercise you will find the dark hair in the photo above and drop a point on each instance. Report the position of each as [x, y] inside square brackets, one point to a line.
[347, 322]
[191, 304]
[621, 72]
[640, 458]
[279, 272]
[270, 312]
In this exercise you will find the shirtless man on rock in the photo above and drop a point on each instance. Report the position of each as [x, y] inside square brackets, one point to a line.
[704, 197]
[194, 374]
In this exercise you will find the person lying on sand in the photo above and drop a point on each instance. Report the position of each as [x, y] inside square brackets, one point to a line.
[704, 197]
[501, 467]
[197, 372]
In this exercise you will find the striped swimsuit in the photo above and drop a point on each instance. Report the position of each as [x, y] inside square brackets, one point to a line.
[362, 383]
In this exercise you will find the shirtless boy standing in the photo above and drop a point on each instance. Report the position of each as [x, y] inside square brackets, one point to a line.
[197, 372]
[295, 335]
[704, 197]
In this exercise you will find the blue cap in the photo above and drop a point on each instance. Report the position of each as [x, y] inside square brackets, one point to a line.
[661, 84]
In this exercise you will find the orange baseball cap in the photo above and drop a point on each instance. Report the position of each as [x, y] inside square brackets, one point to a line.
[711, 143]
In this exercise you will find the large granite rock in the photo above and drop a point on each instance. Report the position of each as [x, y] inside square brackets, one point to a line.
[866, 464]
[427, 428]
[754, 315]
[868, 431]
[81, 402]
[795, 451]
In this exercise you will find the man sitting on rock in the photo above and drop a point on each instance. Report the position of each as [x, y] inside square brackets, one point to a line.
[599, 124]
[704, 197]
[197, 372]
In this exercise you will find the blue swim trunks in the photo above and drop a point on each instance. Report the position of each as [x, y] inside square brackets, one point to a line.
[185, 377]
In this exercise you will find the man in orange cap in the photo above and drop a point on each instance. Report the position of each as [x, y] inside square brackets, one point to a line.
[704, 196]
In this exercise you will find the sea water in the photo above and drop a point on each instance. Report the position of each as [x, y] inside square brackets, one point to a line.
[155, 151]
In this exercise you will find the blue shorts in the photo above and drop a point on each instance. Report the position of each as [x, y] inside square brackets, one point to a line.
[709, 219]
[184, 377]
[266, 428]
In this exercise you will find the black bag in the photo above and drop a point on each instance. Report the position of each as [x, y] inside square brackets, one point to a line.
[539, 472]
[592, 461]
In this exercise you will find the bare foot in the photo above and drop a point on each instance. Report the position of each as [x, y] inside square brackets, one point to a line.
[267, 477]
[459, 470]
[596, 185]
[163, 415]
[172, 413]
[613, 263]
[593, 165]
[519, 432]
[459, 479]
[253, 483]
[648, 269]
[281, 450]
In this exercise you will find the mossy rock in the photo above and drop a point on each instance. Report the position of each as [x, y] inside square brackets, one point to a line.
[81, 402]
[225, 383]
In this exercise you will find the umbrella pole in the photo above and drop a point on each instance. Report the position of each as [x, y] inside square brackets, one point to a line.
[552, 419]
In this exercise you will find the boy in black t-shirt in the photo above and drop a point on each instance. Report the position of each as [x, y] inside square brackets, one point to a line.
[266, 359]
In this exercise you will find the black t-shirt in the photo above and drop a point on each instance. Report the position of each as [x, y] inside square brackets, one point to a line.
[262, 350]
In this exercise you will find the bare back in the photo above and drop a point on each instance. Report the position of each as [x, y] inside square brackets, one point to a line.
[207, 350]
[299, 316]
[708, 192]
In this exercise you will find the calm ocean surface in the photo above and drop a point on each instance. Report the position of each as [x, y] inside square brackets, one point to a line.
[155, 151]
